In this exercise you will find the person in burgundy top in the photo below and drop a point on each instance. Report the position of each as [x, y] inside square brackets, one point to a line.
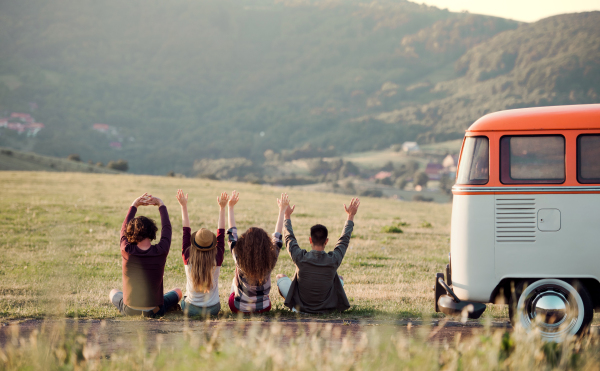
[144, 264]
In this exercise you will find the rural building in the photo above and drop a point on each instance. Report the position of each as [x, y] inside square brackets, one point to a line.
[450, 163]
[410, 147]
[434, 170]
[382, 175]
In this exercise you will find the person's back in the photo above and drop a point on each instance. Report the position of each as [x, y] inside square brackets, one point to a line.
[315, 276]
[316, 287]
[143, 263]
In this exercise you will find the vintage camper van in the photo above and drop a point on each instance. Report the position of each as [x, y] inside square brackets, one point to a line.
[526, 219]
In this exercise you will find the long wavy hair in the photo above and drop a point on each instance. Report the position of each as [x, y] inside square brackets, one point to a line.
[256, 255]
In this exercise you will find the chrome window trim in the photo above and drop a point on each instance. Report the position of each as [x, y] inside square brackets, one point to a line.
[564, 189]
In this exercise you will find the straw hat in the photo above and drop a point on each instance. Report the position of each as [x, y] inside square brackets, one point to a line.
[204, 240]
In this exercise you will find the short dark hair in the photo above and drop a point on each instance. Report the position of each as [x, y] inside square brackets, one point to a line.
[140, 228]
[318, 233]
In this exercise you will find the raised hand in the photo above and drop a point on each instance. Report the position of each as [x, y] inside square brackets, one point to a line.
[182, 198]
[283, 202]
[156, 201]
[235, 197]
[352, 208]
[222, 200]
[143, 200]
[288, 211]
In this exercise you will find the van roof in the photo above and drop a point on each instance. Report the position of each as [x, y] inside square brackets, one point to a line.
[575, 117]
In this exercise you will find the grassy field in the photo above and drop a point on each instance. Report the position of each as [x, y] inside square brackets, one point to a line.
[59, 236]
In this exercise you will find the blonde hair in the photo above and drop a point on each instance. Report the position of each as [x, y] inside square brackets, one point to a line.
[202, 265]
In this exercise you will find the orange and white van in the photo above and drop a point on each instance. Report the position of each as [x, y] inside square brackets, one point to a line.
[526, 219]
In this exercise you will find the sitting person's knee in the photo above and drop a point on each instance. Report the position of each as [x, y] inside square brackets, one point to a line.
[179, 292]
[280, 276]
[113, 292]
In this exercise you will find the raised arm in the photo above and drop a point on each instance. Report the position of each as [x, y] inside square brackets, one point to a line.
[144, 199]
[186, 240]
[166, 231]
[290, 239]
[283, 204]
[235, 197]
[222, 201]
[183, 199]
[344, 241]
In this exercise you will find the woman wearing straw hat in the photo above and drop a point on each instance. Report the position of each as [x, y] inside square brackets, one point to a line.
[202, 253]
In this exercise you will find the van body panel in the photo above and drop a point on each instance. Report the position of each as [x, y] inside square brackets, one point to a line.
[472, 247]
[569, 247]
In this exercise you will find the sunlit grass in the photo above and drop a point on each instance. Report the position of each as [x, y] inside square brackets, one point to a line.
[59, 242]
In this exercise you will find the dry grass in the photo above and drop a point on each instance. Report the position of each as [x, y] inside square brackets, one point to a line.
[59, 237]
[277, 348]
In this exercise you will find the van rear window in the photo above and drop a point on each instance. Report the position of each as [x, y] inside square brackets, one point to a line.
[474, 165]
[532, 159]
[588, 158]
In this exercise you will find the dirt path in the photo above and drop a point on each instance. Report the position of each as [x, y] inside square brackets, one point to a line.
[114, 335]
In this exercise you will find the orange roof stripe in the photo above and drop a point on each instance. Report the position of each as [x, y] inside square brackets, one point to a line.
[575, 117]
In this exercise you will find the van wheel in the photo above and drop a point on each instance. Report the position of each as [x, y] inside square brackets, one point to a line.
[553, 306]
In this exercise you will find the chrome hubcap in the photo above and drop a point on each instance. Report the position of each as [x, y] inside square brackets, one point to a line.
[550, 308]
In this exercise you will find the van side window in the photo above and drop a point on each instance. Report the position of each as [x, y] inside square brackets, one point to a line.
[474, 165]
[588, 158]
[532, 159]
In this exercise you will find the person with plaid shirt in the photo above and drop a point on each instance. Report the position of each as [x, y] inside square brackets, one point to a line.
[255, 254]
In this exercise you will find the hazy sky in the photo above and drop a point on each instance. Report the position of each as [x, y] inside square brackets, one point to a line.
[520, 10]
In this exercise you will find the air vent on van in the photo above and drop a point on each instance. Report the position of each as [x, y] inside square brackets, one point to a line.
[515, 219]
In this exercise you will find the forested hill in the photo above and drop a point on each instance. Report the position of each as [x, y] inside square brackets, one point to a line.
[182, 80]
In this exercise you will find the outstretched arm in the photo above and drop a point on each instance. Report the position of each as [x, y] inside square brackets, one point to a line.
[283, 204]
[235, 197]
[352, 209]
[344, 241]
[222, 201]
[183, 199]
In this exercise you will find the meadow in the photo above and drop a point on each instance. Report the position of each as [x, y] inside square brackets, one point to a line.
[59, 251]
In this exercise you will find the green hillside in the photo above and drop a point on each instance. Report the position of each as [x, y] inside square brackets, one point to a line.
[555, 61]
[11, 159]
[181, 81]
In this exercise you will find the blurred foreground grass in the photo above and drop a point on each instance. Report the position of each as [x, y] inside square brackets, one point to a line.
[275, 348]
[59, 251]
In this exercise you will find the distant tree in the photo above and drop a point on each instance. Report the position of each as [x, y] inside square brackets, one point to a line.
[389, 166]
[120, 165]
[90, 162]
[171, 174]
[371, 193]
[74, 157]
[421, 179]
[99, 164]
[446, 184]
[401, 183]
[349, 169]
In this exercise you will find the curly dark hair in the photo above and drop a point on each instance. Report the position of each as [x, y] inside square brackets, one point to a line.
[140, 228]
[256, 255]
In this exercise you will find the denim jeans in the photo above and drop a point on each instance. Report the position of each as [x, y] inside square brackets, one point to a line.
[193, 310]
[170, 299]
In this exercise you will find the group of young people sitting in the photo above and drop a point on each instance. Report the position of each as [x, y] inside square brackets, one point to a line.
[315, 288]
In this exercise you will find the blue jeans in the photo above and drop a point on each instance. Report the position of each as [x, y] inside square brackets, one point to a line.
[170, 299]
[193, 310]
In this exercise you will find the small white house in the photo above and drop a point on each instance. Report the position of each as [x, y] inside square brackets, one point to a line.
[410, 147]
